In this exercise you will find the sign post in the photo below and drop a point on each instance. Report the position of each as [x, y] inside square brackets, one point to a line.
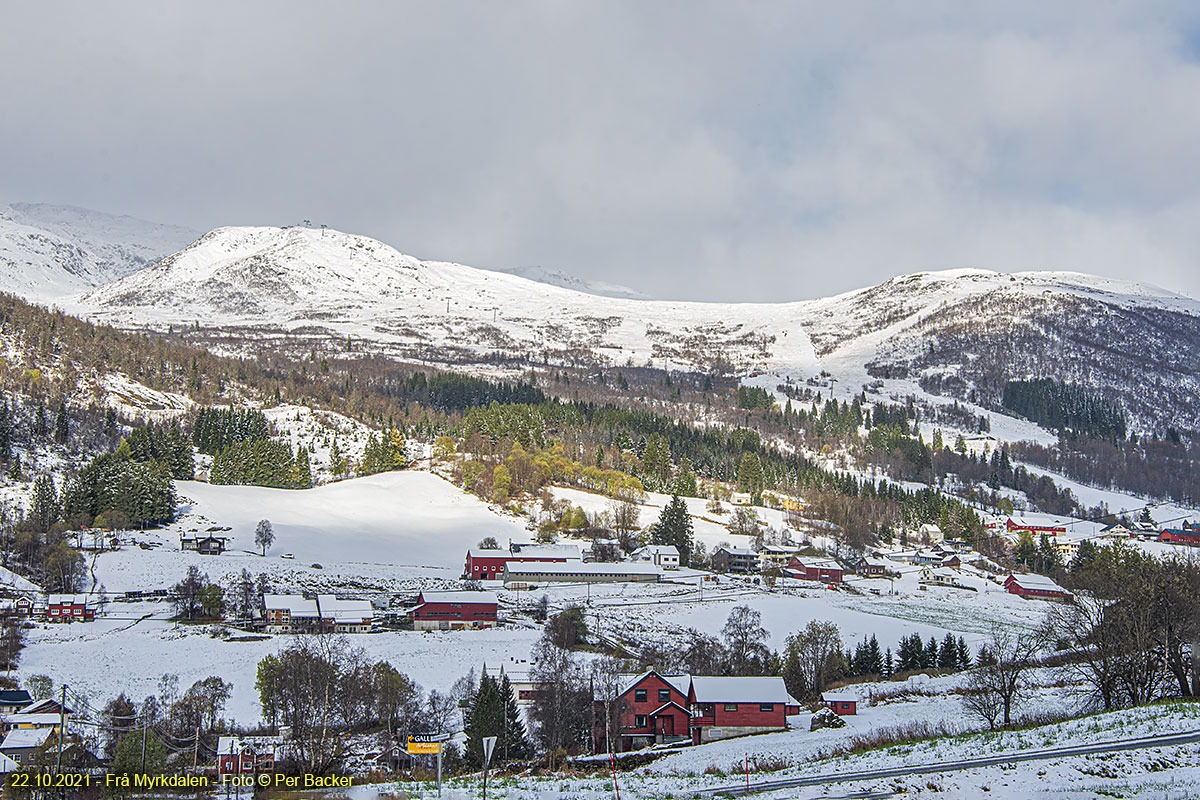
[489, 744]
[429, 744]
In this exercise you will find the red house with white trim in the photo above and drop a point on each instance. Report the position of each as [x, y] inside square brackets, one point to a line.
[724, 707]
[453, 610]
[811, 568]
[1036, 586]
[649, 709]
[69, 608]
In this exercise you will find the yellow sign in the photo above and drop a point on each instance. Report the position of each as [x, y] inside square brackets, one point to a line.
[423, 748]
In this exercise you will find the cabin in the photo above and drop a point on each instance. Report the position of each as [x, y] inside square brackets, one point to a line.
[841, 704]
[69, 608]
[812, 568]
[204, 545]
[648, 709]
[930, 533]
[19, 745]
[741, 498]
[525, 574]
[951, 561]
[725, 707]
[871, 567]
[938, 576]
[660, 555]
[736, 560]
[1036, 586]
[248, 755]
[444, 611]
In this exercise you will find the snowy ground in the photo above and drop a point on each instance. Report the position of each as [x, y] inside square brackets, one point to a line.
[1165, 772]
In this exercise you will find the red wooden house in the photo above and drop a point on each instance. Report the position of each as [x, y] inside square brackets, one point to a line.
[811, 568]
[649, 709]
[452, 610]
[1036, 586]
[724, 707]
[69, 608]
[248, 755]
[840, 704]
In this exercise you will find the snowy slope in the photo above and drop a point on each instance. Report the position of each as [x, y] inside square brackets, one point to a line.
[48, 251]
[561, 279]
[297, 279]
[956, 334]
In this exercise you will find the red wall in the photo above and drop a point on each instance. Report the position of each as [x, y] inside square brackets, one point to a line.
[467, 612]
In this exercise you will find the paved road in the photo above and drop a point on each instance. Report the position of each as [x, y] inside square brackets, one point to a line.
[1166, 740]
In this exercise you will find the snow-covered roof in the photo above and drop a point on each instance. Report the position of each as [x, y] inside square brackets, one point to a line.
[344, 610]
[657, 549]
[7, 765]
[818, 562]
[780, 549]
[294, 604]
[38, 720]
[234, 745]
[834, 697]
[738, 551]
[581, 568]
[458, 597]
[1032, 581]
[26, 737]
[770, 689]
[475, 552]
[67, 599]
[570, 552]
[680, 682]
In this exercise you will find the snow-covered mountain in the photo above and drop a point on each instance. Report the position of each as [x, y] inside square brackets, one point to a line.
[561, 279]
[953, 334]
[49, 251]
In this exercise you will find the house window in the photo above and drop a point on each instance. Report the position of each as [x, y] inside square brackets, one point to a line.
[639, 695]
[639, 721]
[766, 707]
[664, 695]
[731, 706]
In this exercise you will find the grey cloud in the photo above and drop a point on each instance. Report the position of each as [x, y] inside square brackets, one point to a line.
[726, 151]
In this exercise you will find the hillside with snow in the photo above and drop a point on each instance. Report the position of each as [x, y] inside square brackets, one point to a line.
[944, 336]
[48, 251]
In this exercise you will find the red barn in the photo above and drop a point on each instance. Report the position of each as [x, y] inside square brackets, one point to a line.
[649, 709]
[1036, 586]
[810, 568]
[451, 610]
[1189, 536]
[726, 707]
[488, 565]
[1052, 530]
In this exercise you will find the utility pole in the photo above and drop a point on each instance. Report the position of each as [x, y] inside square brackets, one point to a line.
[144, 726]
[62, 729]
[196, 748]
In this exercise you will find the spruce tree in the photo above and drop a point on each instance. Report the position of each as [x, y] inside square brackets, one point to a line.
[513, 738]
[485, 717]
[964, 654]
[948, 655]
[62, 431]
[674, 526]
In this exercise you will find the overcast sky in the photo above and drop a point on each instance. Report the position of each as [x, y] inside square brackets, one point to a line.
[744, 151]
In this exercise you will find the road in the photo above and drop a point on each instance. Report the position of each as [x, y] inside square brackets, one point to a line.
[1166, 740]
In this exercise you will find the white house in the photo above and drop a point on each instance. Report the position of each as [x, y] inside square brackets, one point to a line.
[938, 576]
[661, 555]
